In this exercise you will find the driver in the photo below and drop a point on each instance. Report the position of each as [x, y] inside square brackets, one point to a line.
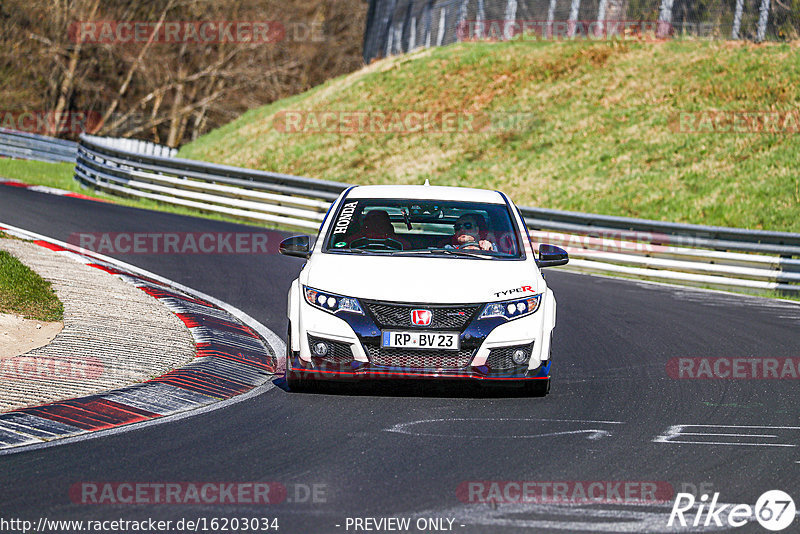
[470, 233]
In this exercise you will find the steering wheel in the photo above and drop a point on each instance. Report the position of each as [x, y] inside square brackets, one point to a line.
[469, 245]
[368, 243]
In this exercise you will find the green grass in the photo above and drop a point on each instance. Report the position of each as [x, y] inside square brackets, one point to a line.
[603, 139]
[40, 173]
[23, 292]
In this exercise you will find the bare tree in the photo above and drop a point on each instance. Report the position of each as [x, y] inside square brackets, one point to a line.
[170, 91]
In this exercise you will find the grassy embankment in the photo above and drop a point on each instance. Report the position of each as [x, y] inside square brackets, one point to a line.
[605, 138]
[25, 293]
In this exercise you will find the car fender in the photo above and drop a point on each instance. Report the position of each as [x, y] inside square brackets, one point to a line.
[549, 310]
[293, 312]
[549, 324]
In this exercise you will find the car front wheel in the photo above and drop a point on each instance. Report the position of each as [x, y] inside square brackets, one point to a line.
[293, 380]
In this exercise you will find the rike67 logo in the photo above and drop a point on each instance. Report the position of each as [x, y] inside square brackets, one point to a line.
[774, 510]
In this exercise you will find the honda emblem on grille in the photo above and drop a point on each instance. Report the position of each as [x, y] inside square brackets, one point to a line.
[421, 317]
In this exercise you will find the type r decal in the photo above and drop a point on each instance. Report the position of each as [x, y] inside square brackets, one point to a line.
[521, 289]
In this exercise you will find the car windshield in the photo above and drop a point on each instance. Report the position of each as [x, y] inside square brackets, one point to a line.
[416, 227]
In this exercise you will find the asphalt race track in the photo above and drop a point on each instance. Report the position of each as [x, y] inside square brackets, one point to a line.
[404, 452]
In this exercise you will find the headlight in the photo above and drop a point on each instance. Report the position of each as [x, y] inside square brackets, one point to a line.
[512, 309]
[331, 303]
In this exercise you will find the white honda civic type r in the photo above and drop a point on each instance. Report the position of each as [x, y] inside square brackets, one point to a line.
[421, 282]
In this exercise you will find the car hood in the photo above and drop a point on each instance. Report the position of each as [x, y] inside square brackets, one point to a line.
[422, 279]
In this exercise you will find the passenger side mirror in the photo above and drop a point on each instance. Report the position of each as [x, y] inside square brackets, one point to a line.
[551, 256]
[297, 245]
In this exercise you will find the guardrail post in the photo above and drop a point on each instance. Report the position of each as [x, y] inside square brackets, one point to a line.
[480, 16]
[427, 15]
[462, 17]
[601, 16]
[665, 19]
[763, 16]
[573, 16]
[737, 19]
[551, 13]
[440, 35]
[509, 18]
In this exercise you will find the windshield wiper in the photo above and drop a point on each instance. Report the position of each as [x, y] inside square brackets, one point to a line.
[415, 251]
[482, 254]
[346, 249]
[466, 253]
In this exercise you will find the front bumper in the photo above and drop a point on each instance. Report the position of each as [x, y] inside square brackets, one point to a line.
[355, 352]
[321, 370]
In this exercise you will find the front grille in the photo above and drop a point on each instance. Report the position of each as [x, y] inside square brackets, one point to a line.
[338, 353]
[419, 359]
[444, 317]
[500, 359]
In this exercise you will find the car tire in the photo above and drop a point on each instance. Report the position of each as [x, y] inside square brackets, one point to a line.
[293, 380]
[539, 388]
[542, 389]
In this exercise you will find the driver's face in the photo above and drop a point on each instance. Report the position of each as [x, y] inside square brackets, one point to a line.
[466, 226]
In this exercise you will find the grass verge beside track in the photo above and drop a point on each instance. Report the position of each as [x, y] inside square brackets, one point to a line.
[23, 292]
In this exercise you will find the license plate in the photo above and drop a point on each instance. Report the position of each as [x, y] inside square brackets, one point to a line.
[420, 340]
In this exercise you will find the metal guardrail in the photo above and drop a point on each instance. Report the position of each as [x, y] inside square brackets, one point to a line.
[751, 260]
[638, 256]
[691, 235]
[653, 250]
[137, 146]
[22, 145]
[260, 196]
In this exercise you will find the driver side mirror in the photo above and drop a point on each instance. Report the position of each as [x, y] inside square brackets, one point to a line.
[551, 256]
[296, 246]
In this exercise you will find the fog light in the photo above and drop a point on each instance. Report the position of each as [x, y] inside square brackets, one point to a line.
[320, 349]
[519, 357]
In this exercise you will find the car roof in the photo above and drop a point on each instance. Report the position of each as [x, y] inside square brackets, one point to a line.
[427, 192]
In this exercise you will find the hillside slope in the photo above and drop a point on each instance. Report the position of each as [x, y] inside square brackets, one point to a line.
[606, 130]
